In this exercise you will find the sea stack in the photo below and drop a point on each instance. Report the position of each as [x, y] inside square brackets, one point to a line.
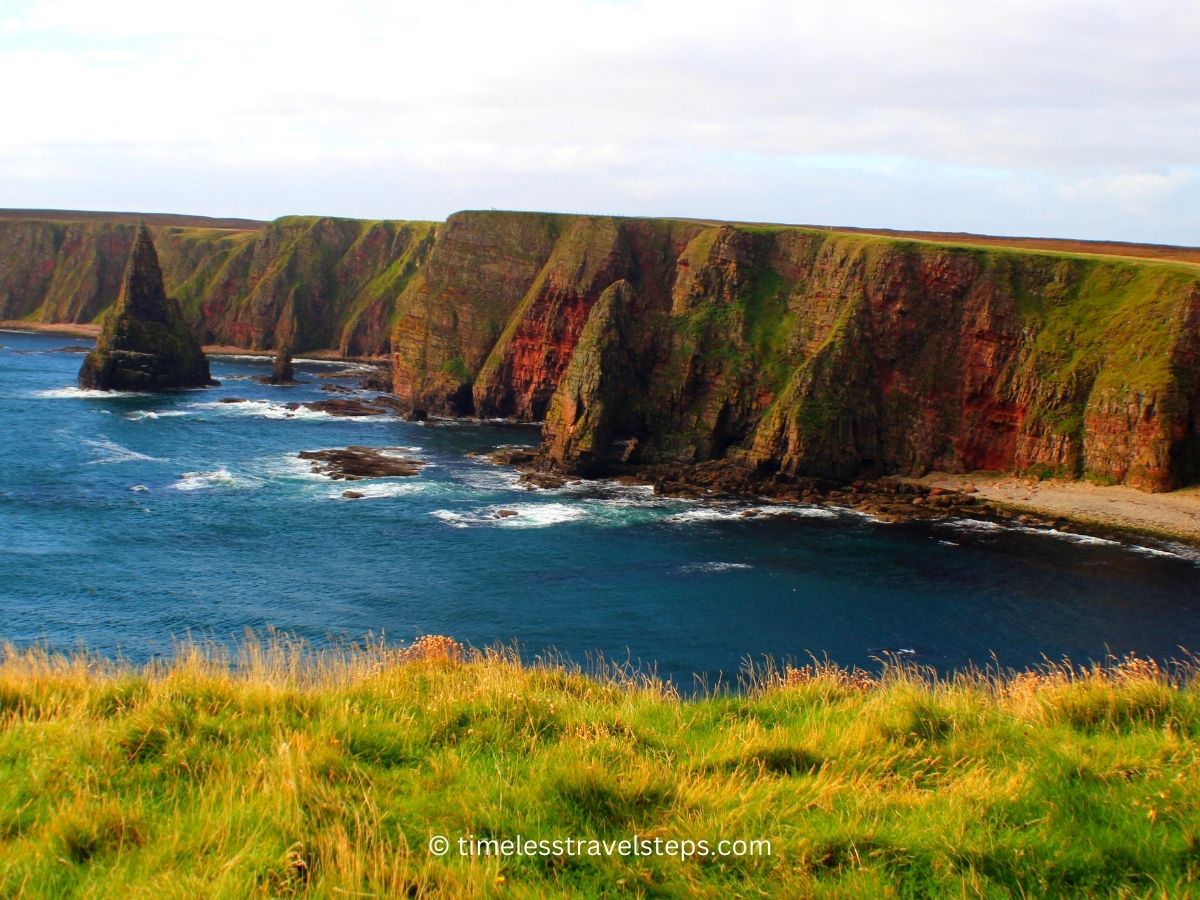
[283, 373]
[145, 343]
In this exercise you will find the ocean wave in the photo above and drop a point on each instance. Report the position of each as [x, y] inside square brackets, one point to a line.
[77, 393]
[714, 567]
[112, 452]
[376, 490]
[527, 515]
[265, 409]
[140, 414]
[1069, 536]
[972, 525]
[217, 478]
[739, 513]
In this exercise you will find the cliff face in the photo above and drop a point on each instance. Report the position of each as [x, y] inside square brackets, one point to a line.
[145, 343]
[796, 352]
[319, 283]
[787, 351]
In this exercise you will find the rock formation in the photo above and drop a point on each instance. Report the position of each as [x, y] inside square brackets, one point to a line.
[282, 372]
[355, 463]
[145, 343]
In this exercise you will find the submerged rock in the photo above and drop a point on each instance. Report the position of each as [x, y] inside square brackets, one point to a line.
[145, 343]
[354, 463]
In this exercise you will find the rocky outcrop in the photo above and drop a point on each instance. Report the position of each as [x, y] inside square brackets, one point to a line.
[145, 343]
[355, 463]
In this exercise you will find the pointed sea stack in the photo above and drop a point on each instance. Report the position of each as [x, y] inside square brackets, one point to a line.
[145, 343]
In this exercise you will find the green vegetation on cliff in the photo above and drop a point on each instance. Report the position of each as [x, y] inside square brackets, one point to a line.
[286, 772]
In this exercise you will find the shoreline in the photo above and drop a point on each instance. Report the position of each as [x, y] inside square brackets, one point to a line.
[1174, 515]
[1076, 506]
[91, 330]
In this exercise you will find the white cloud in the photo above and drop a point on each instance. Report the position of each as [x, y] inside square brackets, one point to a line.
[1061, 116]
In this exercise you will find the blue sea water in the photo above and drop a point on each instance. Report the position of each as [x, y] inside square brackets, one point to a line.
[127, 522]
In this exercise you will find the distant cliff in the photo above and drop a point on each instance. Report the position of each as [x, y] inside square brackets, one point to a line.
[319, 283]
[786, 351]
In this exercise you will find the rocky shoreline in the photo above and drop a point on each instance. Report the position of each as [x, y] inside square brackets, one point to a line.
[886, 499]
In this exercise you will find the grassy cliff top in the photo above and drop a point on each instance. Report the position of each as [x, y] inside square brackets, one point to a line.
[1053, 246]
[1161, 252]
[287, 772]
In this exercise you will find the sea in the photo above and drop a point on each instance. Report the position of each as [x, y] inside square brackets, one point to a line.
[132, 522]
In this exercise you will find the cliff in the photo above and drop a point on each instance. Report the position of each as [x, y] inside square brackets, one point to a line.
[318, 283]
[145, 343]
[795, 352]
[785, 351]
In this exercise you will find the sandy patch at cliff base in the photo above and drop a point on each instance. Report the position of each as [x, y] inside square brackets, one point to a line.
[76, 329]
[1176, 513]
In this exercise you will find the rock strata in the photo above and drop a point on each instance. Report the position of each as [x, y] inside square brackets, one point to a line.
[145, 343]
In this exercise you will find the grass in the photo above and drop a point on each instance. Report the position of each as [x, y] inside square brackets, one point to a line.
[285, 771]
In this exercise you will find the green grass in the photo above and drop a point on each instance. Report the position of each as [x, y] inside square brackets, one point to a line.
[289, 772]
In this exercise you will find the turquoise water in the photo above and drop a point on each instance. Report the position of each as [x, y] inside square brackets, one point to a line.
[130, 521]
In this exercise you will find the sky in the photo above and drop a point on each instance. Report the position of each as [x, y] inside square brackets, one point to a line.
[1066, 118]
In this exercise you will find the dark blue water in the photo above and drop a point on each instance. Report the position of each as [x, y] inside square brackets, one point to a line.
[233, 532]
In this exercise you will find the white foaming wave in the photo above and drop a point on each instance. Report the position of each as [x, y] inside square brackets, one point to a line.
[715, 567]
[339, 363]
[972, 525]
[1176, 551]
[490, 478]
[613, 493]
[76, 393]
[1070, 536]
[265, 409]
[288, 467]
[727, 514]
[141, 414]
[378, 489]
[528, 515]
[112, 452]
[244, 357]
[217, 478]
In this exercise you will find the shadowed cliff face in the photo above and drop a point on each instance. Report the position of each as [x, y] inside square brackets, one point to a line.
[145, 343]
[795, 352]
